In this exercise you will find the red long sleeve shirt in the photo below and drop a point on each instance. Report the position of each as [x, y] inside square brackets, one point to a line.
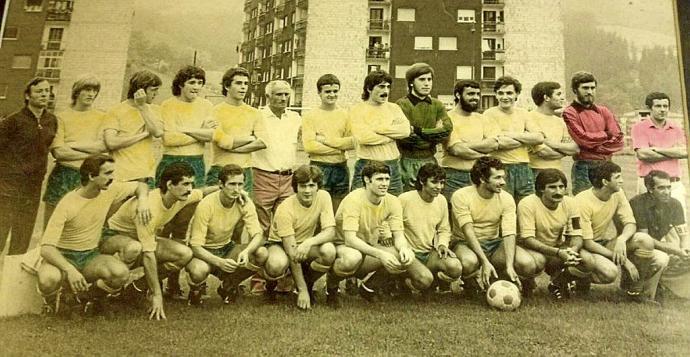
[595, 130]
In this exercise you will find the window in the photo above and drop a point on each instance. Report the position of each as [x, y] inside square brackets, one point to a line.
[406, 14]
[373, 67]
[21, 62]
[489, 73]
[423, 43]
[33, 6]
[3, 91]
[464, 72]
[466, 16]
[448, 43]
[400, 71]
[54, 38]
[11, 33]
[489, 101]
[49, 64]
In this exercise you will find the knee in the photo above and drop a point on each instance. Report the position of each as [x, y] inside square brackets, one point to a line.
[347, 264]
[608, 273]
[276, 266]
[131, 252]
[183, 255]
[642, 241]
[660, 259]
[261, 254]
[119, 273]
[527, 267]
[49, 279]
[424, 279]
[470, 264]
[453, 268]
[198, 270]
[327, 253]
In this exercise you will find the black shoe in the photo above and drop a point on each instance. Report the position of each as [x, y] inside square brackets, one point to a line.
[583, 288]
[351, 286]
[332, 299]
[228, 296]
[195, 296]
[270, 295]
[92, 307]
[561, 285]
[173, 293]
[528, 287]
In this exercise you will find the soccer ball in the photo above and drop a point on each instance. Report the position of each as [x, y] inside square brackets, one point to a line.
[503, 295]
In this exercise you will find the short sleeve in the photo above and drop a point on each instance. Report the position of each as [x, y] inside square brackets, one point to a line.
[199, 225]
[395, 217]
[283, 221]
[251, 220]
[326, 218]
[461, 208]
[573, 227]
[350, 214]
[528, 225]
[508, 217]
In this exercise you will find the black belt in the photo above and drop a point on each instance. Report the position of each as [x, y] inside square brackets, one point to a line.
[287, 172]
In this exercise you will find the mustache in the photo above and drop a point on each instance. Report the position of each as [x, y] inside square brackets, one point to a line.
[557, 196]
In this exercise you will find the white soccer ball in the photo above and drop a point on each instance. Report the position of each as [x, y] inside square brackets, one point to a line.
[503, 295]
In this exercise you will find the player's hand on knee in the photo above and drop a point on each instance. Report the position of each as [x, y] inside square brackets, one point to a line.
[620, 252]
[228, 265]
[406, 256]
[487, 272]
[390, 263]
[243, 258]
[302, 251]
[444, 252]
[632, 270]
[303, 300]
[156, 309]
[76, 280]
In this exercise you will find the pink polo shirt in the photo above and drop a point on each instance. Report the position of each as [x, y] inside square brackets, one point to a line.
[645, 134]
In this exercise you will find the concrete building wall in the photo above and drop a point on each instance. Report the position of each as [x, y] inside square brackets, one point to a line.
[534, 44]
[336, 43]
[96, 43]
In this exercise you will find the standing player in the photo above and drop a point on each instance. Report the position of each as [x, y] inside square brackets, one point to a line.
[70, 242]
[376, 124]
[174, 192]
[659, 144]
[593, 127]
[79, 135]
[185, 123]
[599, 206]
[326, 137]
[211, 238]
[425, 218]
[550, 230]
[472, 137]
[25, 137]
[429, 123]
[516, 135]
[305, 225]
[485, 223]
[130, 127]
[238, 131]
[661, 216]
[558, 144]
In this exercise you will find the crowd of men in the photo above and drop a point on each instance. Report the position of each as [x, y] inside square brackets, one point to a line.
[493, 204]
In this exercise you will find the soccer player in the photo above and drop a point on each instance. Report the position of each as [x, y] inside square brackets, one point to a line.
[69, 245]
[79, 135]
[549, 99]
[599, 206]
[485, 224]
[211, 238]
[174, 192]
[660, 215]
[369, 221]
[25, 138]
[659, 144]
[550, 230]
[326, 136]
[472, 137]
[425, 218]
[428, 120]
[272, 167]
[130, 127]
[593, 127]
[305, 225]
[185, 123]
[238, 131]
[516, 134]
[376, 124]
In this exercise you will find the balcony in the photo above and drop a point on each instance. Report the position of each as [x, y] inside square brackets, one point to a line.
[493, 3]
[379, 2]
[51, 46]
[377, 53]
[493, 27]
[262, 14]
[278, 9]
[277, 33]
[301, 26]
[277, 59]
[297, 81]
[379, 25]
[49, 73]
[60, 10]
[493, 55]
[299, 52]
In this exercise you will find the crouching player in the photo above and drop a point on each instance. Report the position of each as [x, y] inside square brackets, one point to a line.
[305, 225]
[369, 222]
[174, 192]
[70, 242]
[484, 221]
[550, 230]
[599, 206]
[425, 218]
[216, 219]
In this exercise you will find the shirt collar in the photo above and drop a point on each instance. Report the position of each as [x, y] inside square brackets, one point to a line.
[579, 107]
[416, 100]
[668, 125]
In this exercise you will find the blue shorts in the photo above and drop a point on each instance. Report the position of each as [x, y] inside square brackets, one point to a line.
[422, 257]
[223, 251]
[336, 178]
[79, 258]
[489, 246]
[455, 180]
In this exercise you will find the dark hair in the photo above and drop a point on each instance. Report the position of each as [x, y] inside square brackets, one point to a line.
[461, 85]
[428, 171]
[174, 173]
[542, 89]
[506, 81]
[373, 79]
[579, 78]
[481, 170]
[326, 79]
[230, 75]
[33, 82]
[142, 80]
[602, 172]
[184, 74]
[374, 167]
[415, 71]
[649, 179]
[84, 83]
[92, 167]
[649, 101]
[227, 171]
[306, 173]
[547, 176]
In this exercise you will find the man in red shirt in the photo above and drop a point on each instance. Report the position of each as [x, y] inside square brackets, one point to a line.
[593, 127]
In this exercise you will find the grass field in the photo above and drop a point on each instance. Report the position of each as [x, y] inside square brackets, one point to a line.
[445, 325]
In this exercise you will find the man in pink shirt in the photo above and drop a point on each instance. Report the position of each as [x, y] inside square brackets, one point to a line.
[593, 127]
[659, 144]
